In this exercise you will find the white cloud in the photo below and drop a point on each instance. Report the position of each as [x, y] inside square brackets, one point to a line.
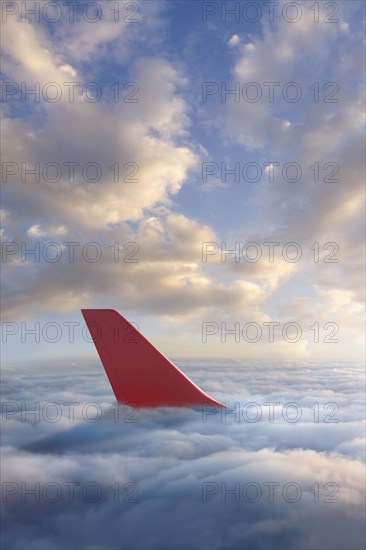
[170, 454]
[157, 137]
[234, 40]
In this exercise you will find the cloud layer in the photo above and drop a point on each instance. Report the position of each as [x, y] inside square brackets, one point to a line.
[181, 464]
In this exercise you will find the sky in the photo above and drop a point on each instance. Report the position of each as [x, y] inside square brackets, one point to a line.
[198, 167]
[190, 166]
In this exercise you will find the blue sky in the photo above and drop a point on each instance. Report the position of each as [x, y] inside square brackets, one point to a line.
[171, 135]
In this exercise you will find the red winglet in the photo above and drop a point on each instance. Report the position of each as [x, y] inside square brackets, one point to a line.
[139, 374]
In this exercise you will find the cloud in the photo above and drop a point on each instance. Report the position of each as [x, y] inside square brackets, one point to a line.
[309, 131]
[158, 144]
[234, 40]
[177, 462]
[299, 425]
